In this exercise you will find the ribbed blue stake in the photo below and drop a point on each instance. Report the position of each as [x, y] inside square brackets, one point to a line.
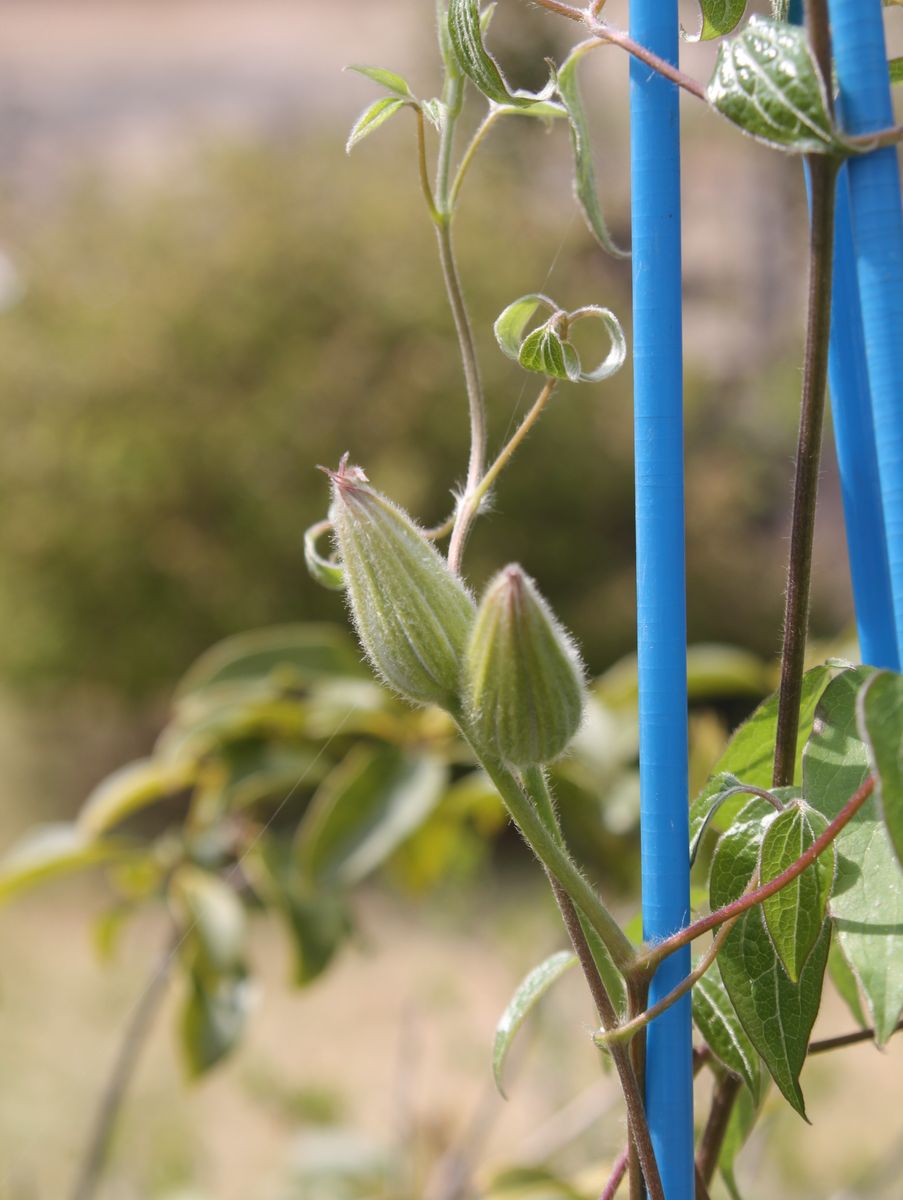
[877, 219]
[661, 602]
[854, 436]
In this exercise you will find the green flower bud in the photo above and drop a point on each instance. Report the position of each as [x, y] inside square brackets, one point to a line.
[411, 613]
[524, 688]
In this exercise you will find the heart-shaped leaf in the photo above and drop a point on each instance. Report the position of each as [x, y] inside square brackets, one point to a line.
[767, 81]
[776, 1013]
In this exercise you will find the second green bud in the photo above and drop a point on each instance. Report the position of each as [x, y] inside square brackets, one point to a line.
[524, 688]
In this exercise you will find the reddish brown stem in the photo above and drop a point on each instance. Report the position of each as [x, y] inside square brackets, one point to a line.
[651, 960]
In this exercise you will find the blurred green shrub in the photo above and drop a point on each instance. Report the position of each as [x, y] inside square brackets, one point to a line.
[182, 357]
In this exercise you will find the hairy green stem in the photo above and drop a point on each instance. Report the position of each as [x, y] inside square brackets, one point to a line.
[467, 157]
[648, 963]
[555, 858]
[642, 1150]
[133, 1042]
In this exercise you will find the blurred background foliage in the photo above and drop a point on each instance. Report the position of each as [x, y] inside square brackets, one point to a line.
[177, 365]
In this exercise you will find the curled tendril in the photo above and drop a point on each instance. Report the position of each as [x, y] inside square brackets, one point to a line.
[546, 349]
[326, 571]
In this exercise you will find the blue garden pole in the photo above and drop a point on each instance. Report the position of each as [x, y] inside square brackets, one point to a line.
[661, 602]
[877, 219]
[854, 436]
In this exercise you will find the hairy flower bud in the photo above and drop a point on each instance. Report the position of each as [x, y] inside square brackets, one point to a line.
[412, 614]
[524, 689]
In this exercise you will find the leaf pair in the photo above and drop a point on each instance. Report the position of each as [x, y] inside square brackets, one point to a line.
[547, 349]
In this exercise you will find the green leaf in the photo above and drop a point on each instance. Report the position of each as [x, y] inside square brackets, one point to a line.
[49, 851]
[213, 1019]
[132, 788]
[880, 725]
[584, 172]
[466, 36]
[387, 79]
[371, 118]
[767, 82]
[543, 351]
[719, 1025]
[749, 754]
[867, 904]
[718, 18]
[216, 918]
[845, 982]
[776, 1013]
[895, 67]
[795, 915]
[269, 771]
[531, 989]
[292, 655]
[363, 810]
[434, 111]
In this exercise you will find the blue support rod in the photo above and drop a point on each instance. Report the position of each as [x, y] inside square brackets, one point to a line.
[661, 601]
[861, 59]
[854, 437]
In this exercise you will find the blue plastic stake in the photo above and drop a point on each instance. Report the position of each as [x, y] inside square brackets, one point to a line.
[854, 436]
[661, 600]
[861, 58]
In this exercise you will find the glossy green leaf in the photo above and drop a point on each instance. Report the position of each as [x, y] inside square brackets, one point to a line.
[767, 82]
[749, 754]
[213, 1019]
[895, 70]
[880, 725]
[325, 571]
[215, 918]
[795, 915]
[867, 904]
[776, 1013]
[372, 117]
[846, 983]
[718, 18]
[529, 992]
[291, 655]
[387, 79]
[719, 1025]
[584, 172]
[466, 36]
[132, 788]
[48, 851]
[543, 351]
[363, 810]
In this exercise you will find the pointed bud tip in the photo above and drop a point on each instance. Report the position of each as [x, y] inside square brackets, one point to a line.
[345, 478]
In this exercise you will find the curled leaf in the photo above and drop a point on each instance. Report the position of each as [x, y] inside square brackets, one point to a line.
[326, 571]
[132, 788]
[547, 349]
